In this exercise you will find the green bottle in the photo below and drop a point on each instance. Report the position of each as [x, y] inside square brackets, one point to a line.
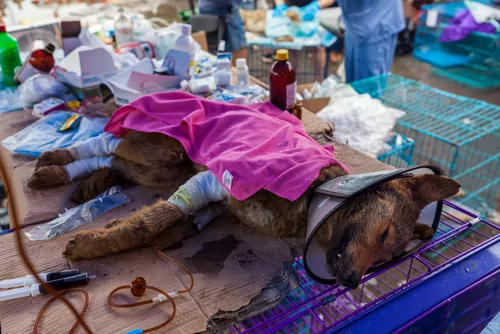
[9, 57]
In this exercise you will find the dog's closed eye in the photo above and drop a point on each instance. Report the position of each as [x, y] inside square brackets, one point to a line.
[384, 235]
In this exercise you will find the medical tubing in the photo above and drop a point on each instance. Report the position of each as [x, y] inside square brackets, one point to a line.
[77, 322]
[145, 302]
[24, 257]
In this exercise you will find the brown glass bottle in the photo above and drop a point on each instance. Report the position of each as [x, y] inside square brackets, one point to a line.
[282, 82]
[43, 60]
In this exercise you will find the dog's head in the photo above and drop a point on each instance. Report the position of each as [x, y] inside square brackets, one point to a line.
[379, 224]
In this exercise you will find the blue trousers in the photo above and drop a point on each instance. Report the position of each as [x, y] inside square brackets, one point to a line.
[368, 59]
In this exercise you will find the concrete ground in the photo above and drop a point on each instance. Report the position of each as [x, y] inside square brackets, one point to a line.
[409, 67]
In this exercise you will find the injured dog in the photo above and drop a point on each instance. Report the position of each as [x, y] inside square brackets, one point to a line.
[373, 228]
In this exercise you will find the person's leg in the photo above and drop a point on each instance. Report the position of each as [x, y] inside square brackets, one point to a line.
[236, 40]
[349, 58]
[364, 60]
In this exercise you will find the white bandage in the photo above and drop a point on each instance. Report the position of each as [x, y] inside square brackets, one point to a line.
[197, 192]
[103, 145]
[206, 215]
[84, 167]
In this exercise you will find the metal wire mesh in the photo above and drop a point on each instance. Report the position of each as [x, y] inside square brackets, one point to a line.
[401, 154]
[316, 308]
[478, 53]
[309, 63]
[456, 133]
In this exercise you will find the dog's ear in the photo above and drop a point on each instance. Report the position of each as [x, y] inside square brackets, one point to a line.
[429, 188]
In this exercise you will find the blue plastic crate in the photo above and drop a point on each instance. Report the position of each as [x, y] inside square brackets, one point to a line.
[401, 153]
[473, 61]
[456, 133]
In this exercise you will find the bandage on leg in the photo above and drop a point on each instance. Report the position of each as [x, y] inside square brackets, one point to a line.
[103, 145]
[197, 192]
[206, 215]
[85, 167]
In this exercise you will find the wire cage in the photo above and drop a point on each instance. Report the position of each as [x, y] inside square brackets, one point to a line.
[317, 308]
[474, 60]
[458, 134]
[309, 62]
[399, 153]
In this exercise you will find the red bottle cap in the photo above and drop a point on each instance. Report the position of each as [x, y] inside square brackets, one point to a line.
[2, 29]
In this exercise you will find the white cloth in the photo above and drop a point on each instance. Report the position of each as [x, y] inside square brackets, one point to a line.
[482, 13]
[360, 121]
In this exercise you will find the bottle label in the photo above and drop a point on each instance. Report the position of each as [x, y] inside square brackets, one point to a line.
[26, 71]
[242, 79]
[291, 92]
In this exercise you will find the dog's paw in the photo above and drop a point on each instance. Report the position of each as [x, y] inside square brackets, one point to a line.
[113, 223]
[48, 176]
[423, 234]
[85, 245]
[82, 193]
[58, 157]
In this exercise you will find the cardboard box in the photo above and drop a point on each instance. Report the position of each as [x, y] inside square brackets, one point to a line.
[136, 81]
[313, 105]
[70, 30]
[84, 69]
[201, 38]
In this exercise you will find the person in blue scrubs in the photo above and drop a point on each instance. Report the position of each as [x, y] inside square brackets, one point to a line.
[235, 29]
[371, 34]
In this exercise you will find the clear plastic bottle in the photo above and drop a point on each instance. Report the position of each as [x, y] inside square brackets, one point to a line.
[242, 75]
[282, 82]
[9, 57]
[187, 44]
[124, 29]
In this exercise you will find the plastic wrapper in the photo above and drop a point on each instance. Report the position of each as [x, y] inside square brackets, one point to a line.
[80, 215]
[10, 100]
[42, 135]
[40, 87]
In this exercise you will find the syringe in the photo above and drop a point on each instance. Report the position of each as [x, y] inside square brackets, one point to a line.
[37, 290]
[28, 280]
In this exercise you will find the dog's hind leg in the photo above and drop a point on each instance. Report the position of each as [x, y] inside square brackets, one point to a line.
[167, 178]
[99, 181]
[141, 228]
[151, 149]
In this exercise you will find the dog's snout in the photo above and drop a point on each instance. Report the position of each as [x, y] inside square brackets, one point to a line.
[352, 279]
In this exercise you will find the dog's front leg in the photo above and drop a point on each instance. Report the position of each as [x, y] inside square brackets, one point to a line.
[145, 225]
[141, 228]
[103, 145]
[49, 176]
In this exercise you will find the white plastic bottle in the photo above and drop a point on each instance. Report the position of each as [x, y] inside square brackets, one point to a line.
[187, 44]
[124, 29]
[223, 73]
[242, 75]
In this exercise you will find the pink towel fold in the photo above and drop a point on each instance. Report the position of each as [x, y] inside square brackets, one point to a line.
[248, 148]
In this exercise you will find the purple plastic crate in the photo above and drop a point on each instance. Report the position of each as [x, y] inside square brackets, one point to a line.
[317, 308]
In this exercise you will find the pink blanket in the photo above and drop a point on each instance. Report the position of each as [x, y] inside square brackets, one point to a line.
[247, 147]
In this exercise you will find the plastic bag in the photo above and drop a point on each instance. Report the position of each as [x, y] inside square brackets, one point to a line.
[10, 100]
[40, 87]
[79, 215]
[360, 121]
[42, 135]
